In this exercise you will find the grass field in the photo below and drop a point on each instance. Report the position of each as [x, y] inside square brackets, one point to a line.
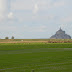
[42, 57]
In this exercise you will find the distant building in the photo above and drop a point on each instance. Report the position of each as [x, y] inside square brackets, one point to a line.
[60, 34]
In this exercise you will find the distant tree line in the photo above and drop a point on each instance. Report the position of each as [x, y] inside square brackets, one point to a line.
[8, 37]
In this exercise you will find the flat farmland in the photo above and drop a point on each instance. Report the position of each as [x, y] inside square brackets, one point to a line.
[35, 40]
[42, 57]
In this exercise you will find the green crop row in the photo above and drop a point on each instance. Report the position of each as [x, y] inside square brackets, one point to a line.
[19, 46]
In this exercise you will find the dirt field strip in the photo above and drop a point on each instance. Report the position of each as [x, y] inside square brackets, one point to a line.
[26, 42]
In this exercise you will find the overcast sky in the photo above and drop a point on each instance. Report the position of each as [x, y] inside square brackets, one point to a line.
[35, 18]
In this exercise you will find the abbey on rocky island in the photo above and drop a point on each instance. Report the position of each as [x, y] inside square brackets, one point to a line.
[60, 34]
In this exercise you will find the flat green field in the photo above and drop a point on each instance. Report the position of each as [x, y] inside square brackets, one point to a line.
[42, 57]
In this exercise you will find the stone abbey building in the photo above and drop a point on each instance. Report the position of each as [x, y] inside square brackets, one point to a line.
[60, 34]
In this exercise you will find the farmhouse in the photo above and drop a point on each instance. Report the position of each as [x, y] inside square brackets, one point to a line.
[60, 34]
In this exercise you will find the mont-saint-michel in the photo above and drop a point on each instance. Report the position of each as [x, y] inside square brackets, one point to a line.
[60, 34]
